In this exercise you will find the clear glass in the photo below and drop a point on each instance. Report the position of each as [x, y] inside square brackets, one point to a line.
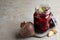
[42, 19]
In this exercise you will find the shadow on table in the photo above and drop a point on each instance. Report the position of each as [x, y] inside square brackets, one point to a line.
[18, 36]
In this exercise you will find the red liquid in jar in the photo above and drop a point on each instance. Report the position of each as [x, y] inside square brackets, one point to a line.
[41, 23]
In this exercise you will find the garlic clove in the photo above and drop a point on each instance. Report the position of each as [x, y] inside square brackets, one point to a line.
[54, 30]
[51, 33]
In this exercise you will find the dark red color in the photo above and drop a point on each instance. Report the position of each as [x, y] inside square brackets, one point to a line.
[41, 23]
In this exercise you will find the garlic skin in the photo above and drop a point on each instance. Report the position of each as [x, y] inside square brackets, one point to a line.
[27, 30]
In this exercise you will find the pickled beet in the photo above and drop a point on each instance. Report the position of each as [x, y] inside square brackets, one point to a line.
[42, 21]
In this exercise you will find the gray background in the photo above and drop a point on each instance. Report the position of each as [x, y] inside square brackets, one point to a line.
[13, 12]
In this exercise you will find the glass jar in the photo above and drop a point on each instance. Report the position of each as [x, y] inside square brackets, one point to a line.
[42, 18]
